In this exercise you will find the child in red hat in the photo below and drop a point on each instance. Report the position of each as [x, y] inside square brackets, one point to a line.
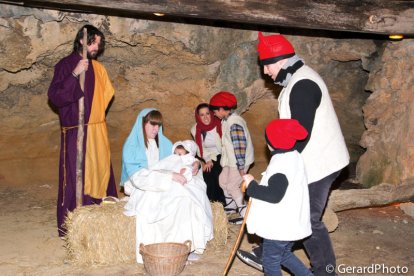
[279, 210]
[237, 152]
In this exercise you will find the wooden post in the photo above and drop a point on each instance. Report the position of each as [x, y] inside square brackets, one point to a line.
[81, 134]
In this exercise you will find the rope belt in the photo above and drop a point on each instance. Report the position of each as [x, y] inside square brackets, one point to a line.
[64, 130]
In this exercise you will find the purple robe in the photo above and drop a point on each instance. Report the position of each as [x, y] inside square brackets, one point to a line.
[64, 93]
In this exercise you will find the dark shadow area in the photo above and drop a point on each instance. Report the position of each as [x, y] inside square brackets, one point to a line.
[109, 105]
[52, 107]
[345, 179]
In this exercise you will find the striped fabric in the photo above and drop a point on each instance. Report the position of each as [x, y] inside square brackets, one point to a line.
[238, 139]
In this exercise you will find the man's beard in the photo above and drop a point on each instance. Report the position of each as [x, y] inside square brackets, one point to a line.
[92, 55]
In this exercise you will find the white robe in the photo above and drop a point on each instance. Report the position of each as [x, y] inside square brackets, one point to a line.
[167, 211]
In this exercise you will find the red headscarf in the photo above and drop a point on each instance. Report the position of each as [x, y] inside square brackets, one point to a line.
[201, 127]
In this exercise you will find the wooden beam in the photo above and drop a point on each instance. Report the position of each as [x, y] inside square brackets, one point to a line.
[361, 16]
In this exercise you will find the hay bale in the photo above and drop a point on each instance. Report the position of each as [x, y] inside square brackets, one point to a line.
[220, 225]
[102, 234]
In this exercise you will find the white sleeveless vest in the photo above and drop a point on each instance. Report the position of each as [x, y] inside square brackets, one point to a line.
[326, 151]
[228, 157]
[288, 220]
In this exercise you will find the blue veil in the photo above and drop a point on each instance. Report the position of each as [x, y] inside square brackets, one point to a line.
[133, 153]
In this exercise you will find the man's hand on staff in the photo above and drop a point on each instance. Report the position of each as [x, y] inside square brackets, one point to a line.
[81, 67]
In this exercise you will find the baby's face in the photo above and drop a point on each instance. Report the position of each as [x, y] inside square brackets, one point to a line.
[180, 152]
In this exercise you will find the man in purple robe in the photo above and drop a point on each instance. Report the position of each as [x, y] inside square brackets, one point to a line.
[64, 93]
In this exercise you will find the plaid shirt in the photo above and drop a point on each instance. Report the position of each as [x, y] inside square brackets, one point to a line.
[238, 139]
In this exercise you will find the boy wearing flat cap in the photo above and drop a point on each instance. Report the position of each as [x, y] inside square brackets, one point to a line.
[279, 211]
[237, 151]
[305, 97]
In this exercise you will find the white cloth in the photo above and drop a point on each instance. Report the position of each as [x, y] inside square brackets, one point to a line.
[167, 211]
[210, 142]
[152, 152]
[189, 145]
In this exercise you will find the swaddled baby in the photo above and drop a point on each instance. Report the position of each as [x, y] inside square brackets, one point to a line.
[180, 161]
[183, 153]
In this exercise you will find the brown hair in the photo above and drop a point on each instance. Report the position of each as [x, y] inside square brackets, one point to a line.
[154, 117]
[92, 33]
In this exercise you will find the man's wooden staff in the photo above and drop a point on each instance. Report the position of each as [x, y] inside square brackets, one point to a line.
[81, 134]
[239, 237]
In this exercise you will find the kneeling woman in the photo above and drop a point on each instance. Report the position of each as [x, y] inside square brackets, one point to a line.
[165, 210]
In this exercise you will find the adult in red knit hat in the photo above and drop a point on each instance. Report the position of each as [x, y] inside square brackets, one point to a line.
[305, 97]
[274, 48]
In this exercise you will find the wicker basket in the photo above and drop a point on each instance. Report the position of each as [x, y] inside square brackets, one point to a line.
[165, 259]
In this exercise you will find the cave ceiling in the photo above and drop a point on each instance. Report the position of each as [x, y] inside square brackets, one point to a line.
[382, 17]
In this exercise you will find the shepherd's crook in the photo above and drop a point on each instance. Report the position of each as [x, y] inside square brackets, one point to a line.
[241, 232]
[81, 122]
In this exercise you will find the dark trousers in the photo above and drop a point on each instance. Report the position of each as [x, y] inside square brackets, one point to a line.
[214, 191]
[318, 245]
[279, 253]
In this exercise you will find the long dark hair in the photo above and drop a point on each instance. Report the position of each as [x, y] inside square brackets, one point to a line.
[92, 32]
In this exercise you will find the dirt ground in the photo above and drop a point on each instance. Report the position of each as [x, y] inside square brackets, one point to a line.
[367, 239]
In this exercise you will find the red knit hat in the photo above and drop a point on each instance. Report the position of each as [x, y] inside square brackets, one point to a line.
[223, 99]
[283, 133]
[273, 48]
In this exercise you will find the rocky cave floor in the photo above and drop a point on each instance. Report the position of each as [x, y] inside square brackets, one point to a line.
[366, 238]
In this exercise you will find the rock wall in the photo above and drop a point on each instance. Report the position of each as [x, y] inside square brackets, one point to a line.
[170, 66]
[389, 117]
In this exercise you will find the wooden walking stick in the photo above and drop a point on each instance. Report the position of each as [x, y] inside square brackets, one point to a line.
[81, 134]
[239, 237]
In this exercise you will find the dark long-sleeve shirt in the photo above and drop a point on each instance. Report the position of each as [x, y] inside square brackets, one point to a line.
[305, 98]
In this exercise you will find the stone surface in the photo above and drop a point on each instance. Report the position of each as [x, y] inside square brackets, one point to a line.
[172, 67]
[330, 219]
[408, 208]
[389, 117]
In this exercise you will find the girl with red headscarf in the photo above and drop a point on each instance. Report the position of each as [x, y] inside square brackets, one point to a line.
[207, 134]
